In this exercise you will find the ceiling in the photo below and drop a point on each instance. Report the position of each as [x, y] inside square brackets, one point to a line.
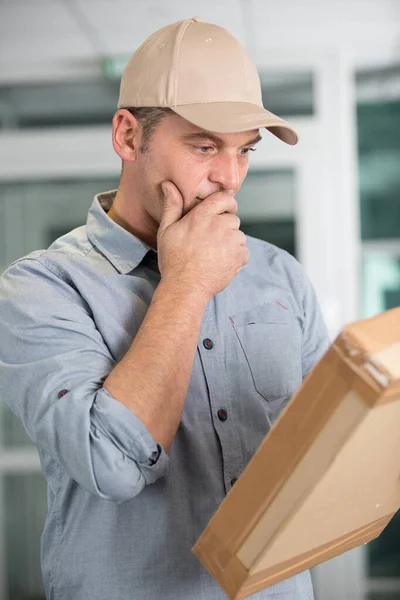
[62, 39]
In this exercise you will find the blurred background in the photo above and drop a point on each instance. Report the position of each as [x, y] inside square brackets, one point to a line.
[331, 67]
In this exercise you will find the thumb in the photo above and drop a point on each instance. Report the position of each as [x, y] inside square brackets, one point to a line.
[172, 204]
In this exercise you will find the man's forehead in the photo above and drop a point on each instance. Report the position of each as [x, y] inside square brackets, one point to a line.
[225, 139]
[190, 132]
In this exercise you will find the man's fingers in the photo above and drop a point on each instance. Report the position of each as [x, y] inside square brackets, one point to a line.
[231, 221]
[172, 204]
[217, 204]
[246, 255]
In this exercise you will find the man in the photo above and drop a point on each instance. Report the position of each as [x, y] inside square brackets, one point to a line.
[148, 353]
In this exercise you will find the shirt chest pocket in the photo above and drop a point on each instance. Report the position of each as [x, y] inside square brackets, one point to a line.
[270, 341]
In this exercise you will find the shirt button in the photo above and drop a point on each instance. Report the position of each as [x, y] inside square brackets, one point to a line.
[233, 481]
[62, 393]
[222, 414]
[208, 344]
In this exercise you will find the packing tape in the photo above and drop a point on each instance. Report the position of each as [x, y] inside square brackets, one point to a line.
[385, 363]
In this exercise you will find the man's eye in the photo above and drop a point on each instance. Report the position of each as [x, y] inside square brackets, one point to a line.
[204, 149]
[245, 151]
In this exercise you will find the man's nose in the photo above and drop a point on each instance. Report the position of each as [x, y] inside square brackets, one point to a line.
[225, 172]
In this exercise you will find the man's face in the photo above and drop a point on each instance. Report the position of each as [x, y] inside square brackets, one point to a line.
[198, 162]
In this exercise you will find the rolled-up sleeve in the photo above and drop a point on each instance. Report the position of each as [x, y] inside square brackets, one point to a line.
[53, 362]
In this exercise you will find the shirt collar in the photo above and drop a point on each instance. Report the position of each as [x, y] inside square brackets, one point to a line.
[124, 250]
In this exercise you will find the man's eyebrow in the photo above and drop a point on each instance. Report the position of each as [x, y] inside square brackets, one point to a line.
[200, 136]
[257, 139]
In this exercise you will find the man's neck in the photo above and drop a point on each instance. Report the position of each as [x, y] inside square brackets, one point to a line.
[131, 216]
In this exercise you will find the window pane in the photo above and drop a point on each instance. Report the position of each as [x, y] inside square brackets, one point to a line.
[381, 282]
[66, 104]
[288, 93]
[383, 596]
[12, 433]
[266, 207]
[25, 512]
[94, 102]
[379, 159]
[384, 552]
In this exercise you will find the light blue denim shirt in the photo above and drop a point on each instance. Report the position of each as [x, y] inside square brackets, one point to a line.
[122, 514]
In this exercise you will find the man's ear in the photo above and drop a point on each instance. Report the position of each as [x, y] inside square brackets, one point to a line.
[126, 135]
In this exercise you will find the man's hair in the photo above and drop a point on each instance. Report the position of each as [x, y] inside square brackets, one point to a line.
[149, 117]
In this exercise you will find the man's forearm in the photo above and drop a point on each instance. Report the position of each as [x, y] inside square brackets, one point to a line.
[153, 377]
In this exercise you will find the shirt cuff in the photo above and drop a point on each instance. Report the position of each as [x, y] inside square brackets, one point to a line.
[129, 434]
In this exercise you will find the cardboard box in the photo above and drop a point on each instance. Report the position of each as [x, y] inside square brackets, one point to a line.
[326, 478]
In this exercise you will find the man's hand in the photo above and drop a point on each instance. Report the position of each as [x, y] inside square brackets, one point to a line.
[205, 249]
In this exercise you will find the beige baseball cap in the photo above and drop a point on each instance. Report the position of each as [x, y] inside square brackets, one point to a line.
[201, 72]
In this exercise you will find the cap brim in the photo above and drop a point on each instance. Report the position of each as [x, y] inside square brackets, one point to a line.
[233, 117]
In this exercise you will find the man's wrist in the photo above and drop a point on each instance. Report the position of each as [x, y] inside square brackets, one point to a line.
[184, 294]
